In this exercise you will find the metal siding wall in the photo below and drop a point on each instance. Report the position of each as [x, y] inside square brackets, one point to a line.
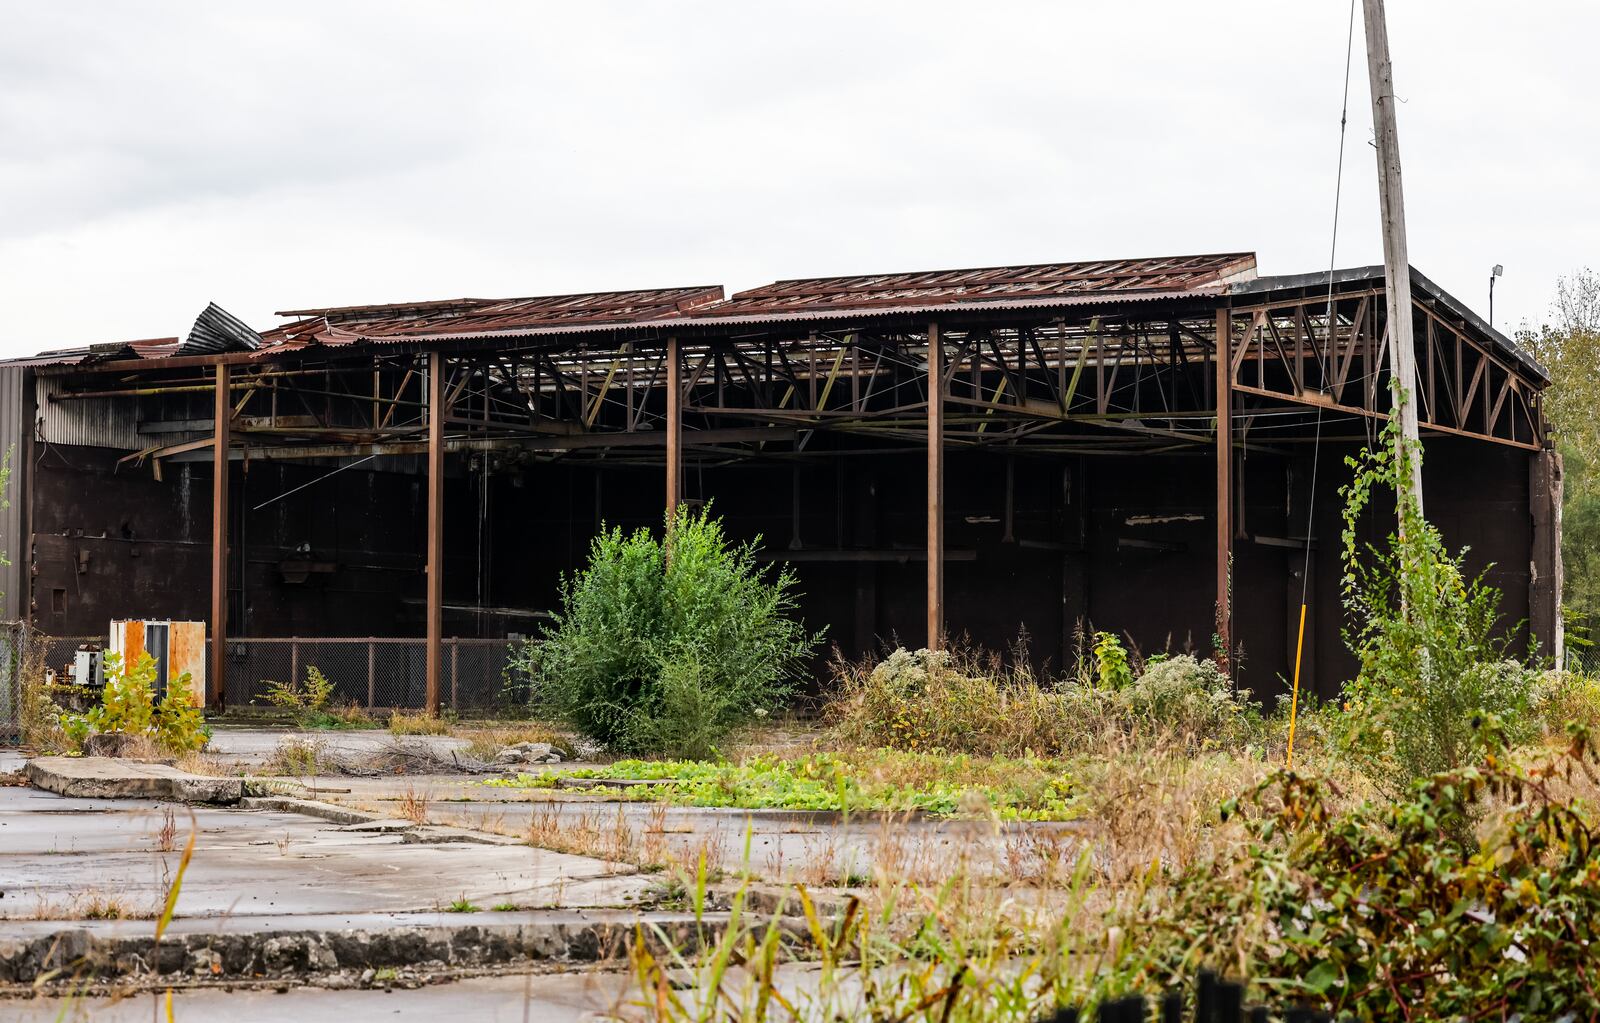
[14, 428]
[90, 422]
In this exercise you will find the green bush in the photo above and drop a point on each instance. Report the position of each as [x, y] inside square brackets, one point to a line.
[666, 647]
[128, 705]
[1434, 665]
[1191, 697]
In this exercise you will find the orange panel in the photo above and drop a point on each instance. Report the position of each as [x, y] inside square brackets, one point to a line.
[132, 643]
[186, 652]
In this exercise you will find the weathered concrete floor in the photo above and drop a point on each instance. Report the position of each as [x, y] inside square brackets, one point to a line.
[815, 848]
[540, 998]
[57, 852]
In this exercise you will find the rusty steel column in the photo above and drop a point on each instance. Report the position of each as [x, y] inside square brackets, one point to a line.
[1224, 350]
[674, 433]
[435, 612]
[222, 419]
[935, 488]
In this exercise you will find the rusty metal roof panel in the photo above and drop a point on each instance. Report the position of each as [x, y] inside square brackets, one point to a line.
[714, 319]
[997, 283]
[469, 315]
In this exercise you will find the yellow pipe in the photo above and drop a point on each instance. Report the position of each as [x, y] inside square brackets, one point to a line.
[1294, 700]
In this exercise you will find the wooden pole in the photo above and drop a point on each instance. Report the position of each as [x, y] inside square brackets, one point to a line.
[435, 612]
[674, 433]
[1225, 484]
[1396, 264]
[222, 418]
[935, 488]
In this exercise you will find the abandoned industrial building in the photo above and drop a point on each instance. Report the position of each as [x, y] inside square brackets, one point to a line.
[391, 491]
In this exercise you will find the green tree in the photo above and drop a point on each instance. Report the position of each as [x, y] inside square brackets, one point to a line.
[1569, 347]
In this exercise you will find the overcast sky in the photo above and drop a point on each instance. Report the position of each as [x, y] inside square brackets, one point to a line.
[157, 156]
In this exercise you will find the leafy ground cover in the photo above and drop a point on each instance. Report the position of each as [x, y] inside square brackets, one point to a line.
[1020, 788]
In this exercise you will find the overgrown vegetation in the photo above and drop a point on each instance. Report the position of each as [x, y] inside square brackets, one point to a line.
[962, 701]
[1026, 788]
[309, 702]
[128, 707]
[1568, 345]
[667, 646]
[1434, 662]
[1373, 912]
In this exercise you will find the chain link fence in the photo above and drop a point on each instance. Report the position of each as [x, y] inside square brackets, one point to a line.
[371, 672]
[13, 636]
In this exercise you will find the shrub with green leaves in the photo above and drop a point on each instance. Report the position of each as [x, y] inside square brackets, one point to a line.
[665, 647]
[1111, 661]
[1192, 697]
[1434, 662]
[128, 706]
[300, 698]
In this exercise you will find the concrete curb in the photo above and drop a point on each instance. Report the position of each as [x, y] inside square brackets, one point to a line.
[110, 778]
[409, 833]
[212, 948]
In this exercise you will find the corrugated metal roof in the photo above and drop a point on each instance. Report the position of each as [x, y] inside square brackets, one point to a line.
[1037, 286]
[469, 315]
[1041, 280]
[217, 330]
[713, 319]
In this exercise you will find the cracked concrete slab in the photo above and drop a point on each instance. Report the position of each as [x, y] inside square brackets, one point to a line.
[55, 851]
[110, 777]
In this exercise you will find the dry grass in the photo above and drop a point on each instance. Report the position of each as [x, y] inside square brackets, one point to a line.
[418, 722]
[484, 741]
[40, 727]
[587, 833]
[204, 764]
[484, 738]
[298, 756]
[413, 805]
[92, 904]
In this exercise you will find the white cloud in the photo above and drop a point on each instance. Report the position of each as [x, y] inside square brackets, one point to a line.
[154, 157]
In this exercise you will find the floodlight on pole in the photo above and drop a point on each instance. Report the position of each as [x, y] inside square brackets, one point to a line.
[1497, 271]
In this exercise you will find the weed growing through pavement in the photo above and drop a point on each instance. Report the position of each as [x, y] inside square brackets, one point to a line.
[166, 837]
[413, 805]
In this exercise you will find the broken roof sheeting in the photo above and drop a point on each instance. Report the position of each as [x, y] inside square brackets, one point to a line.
[217, 330]
[1037, 281]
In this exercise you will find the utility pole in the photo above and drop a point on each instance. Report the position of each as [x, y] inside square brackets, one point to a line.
[1396, 263]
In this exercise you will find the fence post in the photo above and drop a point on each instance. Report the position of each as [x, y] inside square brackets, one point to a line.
[455, 674]
[372, 674]
[294, 662]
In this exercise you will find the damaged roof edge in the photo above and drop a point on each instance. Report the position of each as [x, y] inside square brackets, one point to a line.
[1419, 284]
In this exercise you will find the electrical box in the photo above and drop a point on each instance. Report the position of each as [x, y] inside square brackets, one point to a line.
[88, 669]
[176, 647]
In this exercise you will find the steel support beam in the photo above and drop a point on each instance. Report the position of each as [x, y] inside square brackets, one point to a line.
[435, 594]
[222, 417]
[674, 433]
[1224, 365]
[935, 488]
